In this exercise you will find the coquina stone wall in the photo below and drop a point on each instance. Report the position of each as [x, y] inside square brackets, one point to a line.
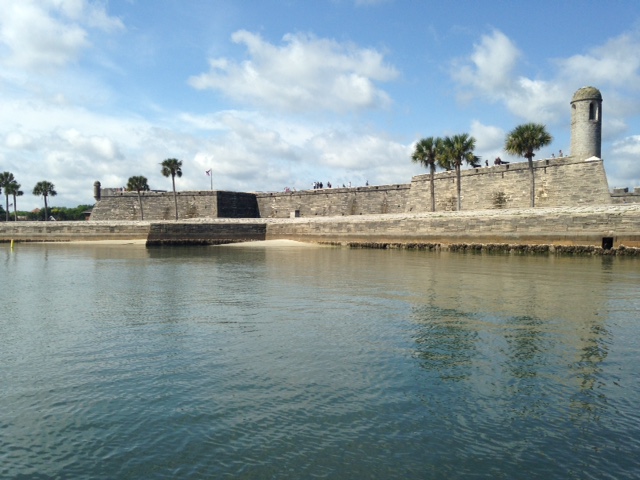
[560, 226]
[335, 202]
[72, 231]
[119, 205]
[559, 182]
[620, 196]
[586, 123]
[214, 233]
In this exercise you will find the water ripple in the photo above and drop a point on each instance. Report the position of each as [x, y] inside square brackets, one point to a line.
[327, 363]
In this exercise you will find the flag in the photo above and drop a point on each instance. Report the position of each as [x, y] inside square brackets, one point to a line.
[208, 172]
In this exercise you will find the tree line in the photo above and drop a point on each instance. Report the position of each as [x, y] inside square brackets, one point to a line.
[11, 187]
[171, 167]
[450, 152]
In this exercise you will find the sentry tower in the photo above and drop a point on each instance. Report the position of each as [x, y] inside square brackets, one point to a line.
[586, 123]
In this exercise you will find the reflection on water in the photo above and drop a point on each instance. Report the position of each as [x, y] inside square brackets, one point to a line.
[446, 344]
[123, 362]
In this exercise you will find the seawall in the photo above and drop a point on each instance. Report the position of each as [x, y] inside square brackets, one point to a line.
[560, 226]
[72, 231]
[610, 225]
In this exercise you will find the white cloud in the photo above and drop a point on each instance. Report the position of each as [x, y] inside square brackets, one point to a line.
[490, 67]
[49, 33]
[623, 166]
[91, 146]
[18, 141]
[487, 137]
[490, 72]
[537, 100]
[489, 141]
[36, 39]
[340, 148]
[616, 63]
[305, 73]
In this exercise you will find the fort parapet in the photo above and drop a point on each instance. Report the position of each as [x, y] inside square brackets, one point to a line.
[621, 196]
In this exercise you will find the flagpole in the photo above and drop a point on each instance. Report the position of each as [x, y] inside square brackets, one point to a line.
[209, 173]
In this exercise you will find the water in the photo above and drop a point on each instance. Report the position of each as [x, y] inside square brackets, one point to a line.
[223, 362]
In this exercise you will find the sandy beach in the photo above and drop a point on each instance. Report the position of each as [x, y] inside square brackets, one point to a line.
[138, 241]
[272, 243]
[256, 244]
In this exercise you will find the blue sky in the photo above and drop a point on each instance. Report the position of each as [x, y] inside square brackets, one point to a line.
[273, 94]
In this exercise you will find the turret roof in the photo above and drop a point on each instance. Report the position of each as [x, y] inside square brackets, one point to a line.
[587, 93]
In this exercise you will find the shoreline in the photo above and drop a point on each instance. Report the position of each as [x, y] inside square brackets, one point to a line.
[279, 243]
[603, 229]
[465, 248]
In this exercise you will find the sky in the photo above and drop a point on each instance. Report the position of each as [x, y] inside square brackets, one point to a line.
[271, 94]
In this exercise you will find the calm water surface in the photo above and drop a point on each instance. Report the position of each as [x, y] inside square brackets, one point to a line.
[222, 362]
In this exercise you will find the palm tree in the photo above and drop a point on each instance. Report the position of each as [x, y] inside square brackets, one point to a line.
[426, 153]
[522, 141]
[138, 184]
[458, 149]
[45, 189]
[172, 167]
[6, 179]
[14, 189]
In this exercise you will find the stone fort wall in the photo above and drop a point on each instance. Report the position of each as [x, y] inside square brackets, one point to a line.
[335, 202]
[559, 182]
[115, 204]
